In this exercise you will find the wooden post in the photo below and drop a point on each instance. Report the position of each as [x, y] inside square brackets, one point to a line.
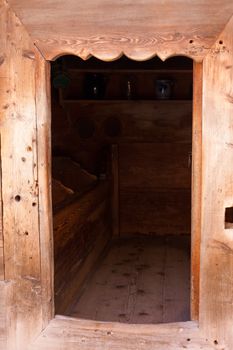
[196, 189]
[24, 195]
[115, 191]
[43, 112]
[216, 274]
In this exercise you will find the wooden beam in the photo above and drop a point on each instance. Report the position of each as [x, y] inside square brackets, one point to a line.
[2, 268]
[196, 189]
[216, 284]
[43, 113]
[69, 334]
[108, 29]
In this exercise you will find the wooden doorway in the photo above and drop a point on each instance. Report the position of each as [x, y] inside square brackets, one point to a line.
[70, 109]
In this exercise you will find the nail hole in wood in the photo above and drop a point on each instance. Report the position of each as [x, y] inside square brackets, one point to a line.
[33, 204]
[216, 342]
[17, 198]
[190, 41]
[220, 42]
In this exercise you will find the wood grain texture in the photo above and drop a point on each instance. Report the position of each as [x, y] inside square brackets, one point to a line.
[65, 333]
[81, 232]
[20, 198]
[107, 29]
[196, 189]
[43, 126]
[4, 292]
[141, 280]
[2, 268]
[216, 285]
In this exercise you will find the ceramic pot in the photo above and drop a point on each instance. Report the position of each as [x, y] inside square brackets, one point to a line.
[163, 89]
[94, 86]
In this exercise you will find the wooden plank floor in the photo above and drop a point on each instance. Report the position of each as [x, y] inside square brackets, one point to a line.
[140, 280]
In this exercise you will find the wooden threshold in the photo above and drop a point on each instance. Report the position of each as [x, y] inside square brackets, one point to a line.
[65, 333]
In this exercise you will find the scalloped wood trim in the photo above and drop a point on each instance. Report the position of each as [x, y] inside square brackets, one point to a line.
[139, 48]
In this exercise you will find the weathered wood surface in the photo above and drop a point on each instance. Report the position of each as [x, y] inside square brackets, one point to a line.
[65, 333]
[155, 188]
[81, 231]
[4, 293]
[107, 29]
[140, 280]
[216, 285]
[196, 189]
[2, 269]
[43, 112]
[19, 169]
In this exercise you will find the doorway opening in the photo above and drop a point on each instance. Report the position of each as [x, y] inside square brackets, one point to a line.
[121, 169]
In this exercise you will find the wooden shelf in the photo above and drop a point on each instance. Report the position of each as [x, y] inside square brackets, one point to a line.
[83, 101]
[127, 71]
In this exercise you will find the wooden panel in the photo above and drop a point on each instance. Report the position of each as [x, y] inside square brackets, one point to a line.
[216, 307]
[43, 111]
[196, 189]
[2, 270]
[71, 334]
[142, 121]
[20, 180]
[80, 229]
[155, 212]
[152, 26]
[4, 291]
[155, 185]
[154, 165]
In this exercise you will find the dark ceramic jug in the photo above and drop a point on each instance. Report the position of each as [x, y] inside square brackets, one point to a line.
[94, 86]
[163, 89]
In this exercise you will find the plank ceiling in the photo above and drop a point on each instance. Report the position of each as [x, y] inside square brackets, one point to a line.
[139, 28]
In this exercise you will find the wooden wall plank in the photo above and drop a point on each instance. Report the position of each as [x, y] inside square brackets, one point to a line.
[43, 112]
[20, 197]
[2, 315]
[155, 188]
[2, 268]
[2, 272]
[196, 189]
[141, 121]
[81, 231]
[106, 28]
[155, 165]
[216, 285]
[158, 212]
